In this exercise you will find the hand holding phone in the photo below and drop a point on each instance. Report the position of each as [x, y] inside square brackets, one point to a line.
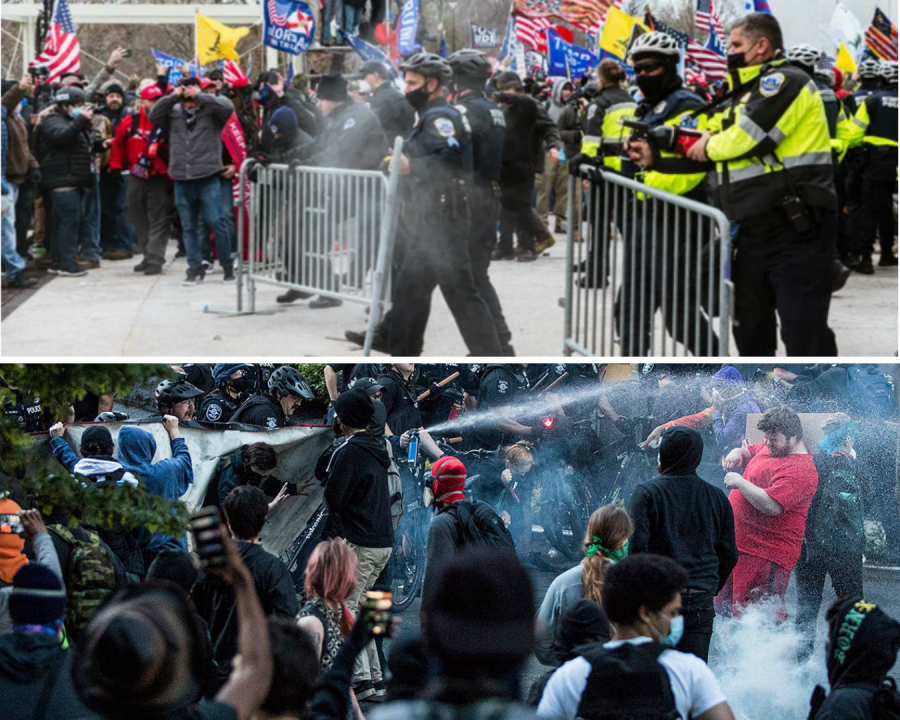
[209, 538]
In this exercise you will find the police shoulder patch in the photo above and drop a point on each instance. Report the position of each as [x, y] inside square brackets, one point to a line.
[502, 386]
[271, 423]
[592, 110]
[349, 124]
[213, 412]
[445, 127]
[499, 118]
[769, 85]
[688, 122]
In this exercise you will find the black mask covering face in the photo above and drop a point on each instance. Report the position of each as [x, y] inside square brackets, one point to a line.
[736, 61]
[656, 88]
[418, 98]
[241, 384]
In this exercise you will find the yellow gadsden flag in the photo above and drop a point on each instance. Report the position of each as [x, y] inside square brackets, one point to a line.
[845, 62]
[216, 41]
[617, 32]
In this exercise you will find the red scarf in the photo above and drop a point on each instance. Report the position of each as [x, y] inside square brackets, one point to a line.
[236, 144]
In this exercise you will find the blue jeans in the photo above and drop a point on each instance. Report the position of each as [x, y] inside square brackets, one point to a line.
[71, 227]
[199, 206]
[226, 191]
[89, 249]
[352, 18]
[332, 9]
[13, 263]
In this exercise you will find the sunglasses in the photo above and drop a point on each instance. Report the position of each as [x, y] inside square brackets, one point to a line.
[647, 67]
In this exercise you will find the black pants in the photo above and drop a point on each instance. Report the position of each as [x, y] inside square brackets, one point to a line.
[482, 241]
[435, 255]
[24, 216]
[699, 613]
[877, 215]
[846, 571]
[517, 217]
[778, 270]
[114, 233]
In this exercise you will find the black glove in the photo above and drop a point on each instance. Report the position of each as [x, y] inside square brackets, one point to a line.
[576, 162]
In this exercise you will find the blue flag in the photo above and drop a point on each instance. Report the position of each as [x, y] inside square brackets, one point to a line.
[288, 25]
[368, 52]
[760, 6]
[567, 59]
[174, 64]
[510, 29]
[443, 51]
[409, 25]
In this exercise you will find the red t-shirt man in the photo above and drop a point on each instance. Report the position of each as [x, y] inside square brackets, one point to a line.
[770, 502]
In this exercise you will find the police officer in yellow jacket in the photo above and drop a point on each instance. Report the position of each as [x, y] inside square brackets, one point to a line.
[874, 131]
[774, 178]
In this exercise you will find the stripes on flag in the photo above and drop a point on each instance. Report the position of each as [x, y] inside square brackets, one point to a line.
[233, 75]
[710, 58]
[533, 32]
[708, 17]
[881, 37]
[62, 53]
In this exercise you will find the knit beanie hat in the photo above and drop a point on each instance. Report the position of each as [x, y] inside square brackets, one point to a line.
[12, 546]
[284, 122]
[38, 596]
[113, 87]
[449, 476]
[333, 87]
[728, 375]
[355, 408]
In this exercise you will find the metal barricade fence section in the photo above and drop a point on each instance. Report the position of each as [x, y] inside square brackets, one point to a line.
[648, 272]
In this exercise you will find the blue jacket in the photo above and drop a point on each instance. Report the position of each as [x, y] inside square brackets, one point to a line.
[3, 183]
[168, 478]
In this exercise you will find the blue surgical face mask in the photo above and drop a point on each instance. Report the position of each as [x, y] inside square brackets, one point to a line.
[676, 630]
[76, 111]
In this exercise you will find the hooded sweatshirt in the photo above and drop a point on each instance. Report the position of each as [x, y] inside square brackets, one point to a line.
[356, 490]
[565, 115]
[862, 649]
[683, 517]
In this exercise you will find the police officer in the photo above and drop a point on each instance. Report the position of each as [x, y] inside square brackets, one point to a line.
[233, 384]
[875, 131]
[471, 70]
[286, 390]
[435, 219]
[177, 397]
[775, 179]
[500, 388]
[648, 285]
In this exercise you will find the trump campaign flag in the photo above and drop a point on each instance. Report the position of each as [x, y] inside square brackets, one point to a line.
[760, 6]
[564, 58]
[174, 64]
[409, 25]
[288, 25]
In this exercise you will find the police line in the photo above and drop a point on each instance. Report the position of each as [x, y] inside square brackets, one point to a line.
[653, 275]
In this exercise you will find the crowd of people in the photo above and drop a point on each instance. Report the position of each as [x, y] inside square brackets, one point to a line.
[804, 166]
[113, 622]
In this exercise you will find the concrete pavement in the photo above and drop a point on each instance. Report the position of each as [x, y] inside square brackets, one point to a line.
[115, 312]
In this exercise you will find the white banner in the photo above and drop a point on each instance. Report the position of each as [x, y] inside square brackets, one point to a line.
[845, 28]
[484, 38]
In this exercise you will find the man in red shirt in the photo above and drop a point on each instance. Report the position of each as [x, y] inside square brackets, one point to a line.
[770, 502]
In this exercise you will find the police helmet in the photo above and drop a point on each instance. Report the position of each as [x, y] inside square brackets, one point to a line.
[888, 72]
[289, 381]
[70, 96]
[169, 392]
[370, 385]
[429, 65]
[470, 63]
[869, 69]
[655, 43]
[804, 55]
[221, 371]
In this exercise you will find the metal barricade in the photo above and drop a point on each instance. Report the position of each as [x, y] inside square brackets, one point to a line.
[652, 276]
[324, 231]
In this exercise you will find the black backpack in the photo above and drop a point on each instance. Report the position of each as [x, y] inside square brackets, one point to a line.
[871, 391]
[627, 683]
[480, 525]
[884, 705]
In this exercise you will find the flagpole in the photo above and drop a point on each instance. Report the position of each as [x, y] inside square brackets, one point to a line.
[197, 41]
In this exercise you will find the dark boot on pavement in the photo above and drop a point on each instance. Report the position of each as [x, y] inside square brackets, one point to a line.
[291, 295]
[865, 266]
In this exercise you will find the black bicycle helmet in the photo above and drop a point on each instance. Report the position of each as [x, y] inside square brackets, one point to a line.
[289, 381]
[169, 392]
[370, 385]
[470, 64]
[429, 65]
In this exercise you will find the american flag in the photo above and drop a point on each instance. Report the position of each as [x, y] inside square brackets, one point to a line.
[533, 32]
[62, 53]
[708, 17]
[651, 22]
[881, 37]
[233, 74]
[585, 12]
[710, 58]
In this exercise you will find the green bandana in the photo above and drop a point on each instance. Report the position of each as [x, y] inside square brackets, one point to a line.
[614, 555]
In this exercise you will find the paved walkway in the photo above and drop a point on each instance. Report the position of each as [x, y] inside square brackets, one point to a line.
[115, 312]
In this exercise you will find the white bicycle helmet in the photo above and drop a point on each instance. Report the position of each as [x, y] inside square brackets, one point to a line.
[869, 69]
[655, 43]
[888, 72]
[805, 55]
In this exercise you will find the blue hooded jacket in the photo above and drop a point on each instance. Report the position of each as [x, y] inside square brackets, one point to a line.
[168, 478]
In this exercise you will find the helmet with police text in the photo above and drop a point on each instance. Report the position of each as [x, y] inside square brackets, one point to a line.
[654, 43]
[169, 392]
[869, 69]
[288, 381]
[888, 72]
[471, 64]
[428, 65]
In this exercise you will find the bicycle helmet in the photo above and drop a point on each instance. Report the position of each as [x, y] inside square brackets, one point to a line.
[221, 371]
[804, 55]
[169, 392]
[289, 381]
[429, 65]
[655, 43]
[69, 96]
[888, 72]
[470, 63]
[365, 383]
[869, 69]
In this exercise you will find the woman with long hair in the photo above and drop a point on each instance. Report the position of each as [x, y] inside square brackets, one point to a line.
[605, 542]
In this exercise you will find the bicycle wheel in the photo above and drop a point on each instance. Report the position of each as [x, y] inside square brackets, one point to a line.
[407, 571]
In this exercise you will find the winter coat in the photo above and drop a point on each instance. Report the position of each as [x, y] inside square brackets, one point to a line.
[194, 154]
[26, 661]
[19, 160]
[308, 120]
[529, 130]
[65, 148]
[129, 144]
[3, 148]
[393, 112]
[566, 117]
[352, 139]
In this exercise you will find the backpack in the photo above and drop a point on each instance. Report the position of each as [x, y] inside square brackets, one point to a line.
[395, 487]
[871, 391]
[884, 704]
[479, 525]
[627, 683]
[90, 577]
[838, 506]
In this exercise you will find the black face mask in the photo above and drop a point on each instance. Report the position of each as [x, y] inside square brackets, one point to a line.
[737, 61]
[241, 384]
[657, 87]
[418, 98]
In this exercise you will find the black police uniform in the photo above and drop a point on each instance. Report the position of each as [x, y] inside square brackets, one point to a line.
[433, 238]
[399, 400]
[219, 407]
[488, 128]
[200, 375]
[854, 168]
[28, 414]
[500, 386]
[262, 411]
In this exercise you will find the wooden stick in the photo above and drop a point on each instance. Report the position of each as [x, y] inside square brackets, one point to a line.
[453, 440]
[555, 383]
[440, 384]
